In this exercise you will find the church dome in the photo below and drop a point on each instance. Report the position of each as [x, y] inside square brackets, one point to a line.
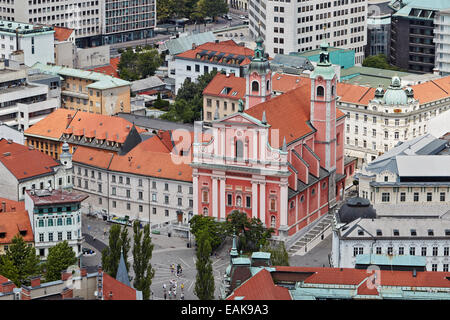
[395, 95]
[355, 208]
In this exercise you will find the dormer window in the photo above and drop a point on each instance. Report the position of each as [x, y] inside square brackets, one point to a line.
[226, 90]
[360, 232]
[379, 232]
[430, 232]
[413, 232]
[396, 232]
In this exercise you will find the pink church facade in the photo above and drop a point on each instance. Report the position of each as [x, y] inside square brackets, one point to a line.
[279, 159]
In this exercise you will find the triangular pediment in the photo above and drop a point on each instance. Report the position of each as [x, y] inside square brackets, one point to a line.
[241, 118]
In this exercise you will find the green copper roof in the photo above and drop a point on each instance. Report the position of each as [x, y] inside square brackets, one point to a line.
[395, 260]
[261, 255]
[241, 261]
[102, 81]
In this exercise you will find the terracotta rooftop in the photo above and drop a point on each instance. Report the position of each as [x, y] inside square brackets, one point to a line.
[115, 290]
[212, 51]
[110, 69]
[52, 126]
[44, 197]
[285, 82]
[13, 221]
[288, 113]
[226, 86]
[260, 287]
[24, 162]
[61, 121]
[93, 157]
[151, 157]
[62, 33]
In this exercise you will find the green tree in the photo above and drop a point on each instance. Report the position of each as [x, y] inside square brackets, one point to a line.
[111, 254]
[142, 253]
[213, 8]
[278, 254]
[59, 258]
[147, 62]
[204, 283]
[138, 64]
[19, 262]
[252, 234]
[125, 242]
[208, 225]
[379, 61]
[161, 104]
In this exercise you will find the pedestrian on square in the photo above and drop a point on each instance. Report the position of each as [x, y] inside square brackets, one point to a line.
[182, 296]
[182, 287]
[175, 294]
[165, 295]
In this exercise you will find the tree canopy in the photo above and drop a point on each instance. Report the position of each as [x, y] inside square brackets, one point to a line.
[212, 228]
[204, 283]
[188, 104]
[139, 63]
[196, 10]
[111, 254]
[59, 258]
[20, 262]
[379, 61]
[142, 253]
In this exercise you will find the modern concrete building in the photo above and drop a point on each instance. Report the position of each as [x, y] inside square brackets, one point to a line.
[413, 34]
[298, 26]
[442, 42]
[35, 42]
[378, 28]
[95, 23]
[22, 102]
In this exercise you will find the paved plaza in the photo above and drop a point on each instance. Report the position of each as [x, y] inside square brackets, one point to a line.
[166, 251]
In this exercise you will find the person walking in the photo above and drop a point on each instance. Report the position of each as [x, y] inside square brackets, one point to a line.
[182, 296]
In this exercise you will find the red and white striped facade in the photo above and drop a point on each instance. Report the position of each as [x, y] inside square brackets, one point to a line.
[281, 161]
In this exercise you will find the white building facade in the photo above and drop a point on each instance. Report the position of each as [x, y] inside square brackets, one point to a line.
[442, 41]
[394, 115]
[393, 237]
[55, 216]
[297, 26]
[36, 42]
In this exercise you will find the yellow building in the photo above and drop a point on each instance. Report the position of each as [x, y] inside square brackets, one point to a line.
[90, 91]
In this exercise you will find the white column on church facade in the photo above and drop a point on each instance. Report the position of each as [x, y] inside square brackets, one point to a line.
[254, 199]
[215, 198]
[284, 203]
[262, 204]
[222, 213]
[195, 187]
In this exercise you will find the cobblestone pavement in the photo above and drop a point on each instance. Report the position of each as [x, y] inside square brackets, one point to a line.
[166, 251]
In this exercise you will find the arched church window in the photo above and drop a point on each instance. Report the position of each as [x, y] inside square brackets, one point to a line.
[268, 85]
[255, 86]
[332, 90]
[239, 149]
[205, 211]
[320, 91]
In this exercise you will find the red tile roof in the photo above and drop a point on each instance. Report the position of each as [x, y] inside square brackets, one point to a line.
[285, 82]
[156, 164]
[42, 197]
[115, 290]
[93, 157]
[227, 47]
[235, 84]
[352, 93]
[111, 69]
[52, 126]
[3, 279]
[24, 162]
[151, 157]
[261, 287]
[14, 220]
[288, 113]
[62, 33]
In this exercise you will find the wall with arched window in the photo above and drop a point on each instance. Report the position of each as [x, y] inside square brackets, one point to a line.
[255, 86]
[320, 91]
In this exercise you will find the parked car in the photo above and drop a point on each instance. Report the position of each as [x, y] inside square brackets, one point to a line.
[228, 17]
[242, 17]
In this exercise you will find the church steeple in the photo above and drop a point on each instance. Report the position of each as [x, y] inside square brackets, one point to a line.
[258, 77]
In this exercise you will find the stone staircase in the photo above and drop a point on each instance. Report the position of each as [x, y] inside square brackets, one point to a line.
[300, 244]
